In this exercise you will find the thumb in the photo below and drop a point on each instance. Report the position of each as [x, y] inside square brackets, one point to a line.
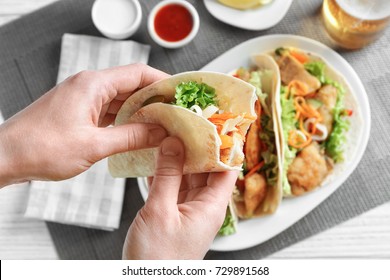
[165, 187]
[123, 138]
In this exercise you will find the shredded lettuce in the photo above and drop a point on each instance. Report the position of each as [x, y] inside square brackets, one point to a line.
[228, 227]
[334, 146]
[267, 136]
[255, 80]
[192, 93]
[289, 123]
[317, 69]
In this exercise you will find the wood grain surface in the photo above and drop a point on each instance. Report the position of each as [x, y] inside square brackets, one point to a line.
[367, 236]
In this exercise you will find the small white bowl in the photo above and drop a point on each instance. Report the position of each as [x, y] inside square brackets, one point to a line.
[173, 44]
[117, 19]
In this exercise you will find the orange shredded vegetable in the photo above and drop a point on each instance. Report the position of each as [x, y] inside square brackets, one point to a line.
[301, 57]
[219, 120]
[305, 110]
[254, 169]
[296, 141]
[224, 116]
[297, 88]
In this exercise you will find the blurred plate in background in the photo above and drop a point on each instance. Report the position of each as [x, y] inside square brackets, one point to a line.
[253, 19]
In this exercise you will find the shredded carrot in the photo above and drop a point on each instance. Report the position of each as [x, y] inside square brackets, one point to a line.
[219, 120]
[254, 169]
[301, 57]
[295, 141]
[224, 116]
[297, 88]
[305, 109]
[227, 141]
[298, 101]
[297, 115]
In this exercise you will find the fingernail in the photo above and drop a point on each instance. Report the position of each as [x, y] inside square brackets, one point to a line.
[171, 147]
[156, 135]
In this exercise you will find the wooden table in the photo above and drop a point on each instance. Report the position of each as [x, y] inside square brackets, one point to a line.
[366, 236]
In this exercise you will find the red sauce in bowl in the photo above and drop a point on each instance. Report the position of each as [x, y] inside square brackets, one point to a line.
[173, 23]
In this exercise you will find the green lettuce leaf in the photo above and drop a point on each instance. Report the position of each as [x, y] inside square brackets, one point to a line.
[334, 146]
[192, 93]
[255, 80]
[288, 123]
[317, 69]
[267, 136]
[228, 227]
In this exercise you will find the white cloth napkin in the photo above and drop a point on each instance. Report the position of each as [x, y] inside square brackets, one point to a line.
[92, 199]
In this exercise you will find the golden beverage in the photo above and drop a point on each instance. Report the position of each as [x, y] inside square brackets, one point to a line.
[355, 23]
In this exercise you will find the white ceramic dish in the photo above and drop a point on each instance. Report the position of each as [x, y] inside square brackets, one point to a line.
[254, 19]
[117, 19]
[256, 231]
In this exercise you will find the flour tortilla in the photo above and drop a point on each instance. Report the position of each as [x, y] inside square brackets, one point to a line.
[199, 136]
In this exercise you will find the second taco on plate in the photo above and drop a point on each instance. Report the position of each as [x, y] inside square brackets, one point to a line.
[317, 109]
[259, 187]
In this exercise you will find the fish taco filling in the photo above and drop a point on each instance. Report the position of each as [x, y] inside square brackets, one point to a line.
[260, 169]
[314, 121]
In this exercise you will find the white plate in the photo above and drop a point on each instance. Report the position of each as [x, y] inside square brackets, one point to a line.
[256, 231]
[254, 19]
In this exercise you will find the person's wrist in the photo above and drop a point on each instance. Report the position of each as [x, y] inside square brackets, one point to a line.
[4, 174]
[8, 170]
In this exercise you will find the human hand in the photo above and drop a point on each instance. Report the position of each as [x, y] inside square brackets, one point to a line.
[182, 214]
[65, 131]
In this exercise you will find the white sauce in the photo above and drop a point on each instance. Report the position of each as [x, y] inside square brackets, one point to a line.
[115, 15]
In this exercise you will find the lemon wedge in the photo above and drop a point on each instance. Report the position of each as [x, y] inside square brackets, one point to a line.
[244, 4]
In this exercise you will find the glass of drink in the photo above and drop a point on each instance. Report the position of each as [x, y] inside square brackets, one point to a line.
[354, 24]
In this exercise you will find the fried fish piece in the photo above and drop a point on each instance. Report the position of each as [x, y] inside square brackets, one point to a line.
[255, 192]
[252, 146]
[328, 96]
[291, 69]
[308, 169]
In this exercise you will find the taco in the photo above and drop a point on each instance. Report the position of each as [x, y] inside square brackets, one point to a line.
[316, 108]
[210, 113]
[258, 189]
